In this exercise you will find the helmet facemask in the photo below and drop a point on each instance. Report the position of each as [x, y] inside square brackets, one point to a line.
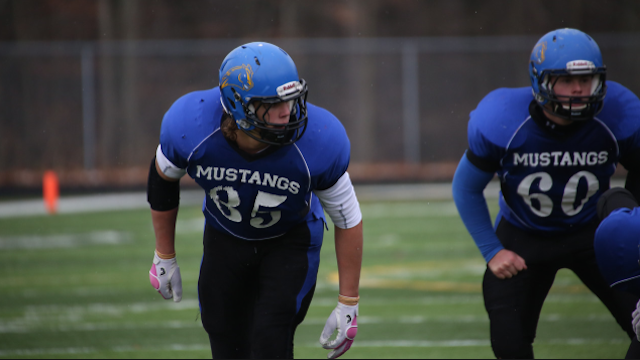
[262, 130]
[578, 108]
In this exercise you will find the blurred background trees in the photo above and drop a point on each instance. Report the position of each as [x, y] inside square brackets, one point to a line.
[84, 83]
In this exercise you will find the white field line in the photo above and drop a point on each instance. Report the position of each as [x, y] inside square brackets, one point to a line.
[409, 210]
[71, 313]
[196, 225]
[474, 342]
[108, 237]
[356, 344]
[138, 200]
[369, 211]
[90, 203]
[187, 226]
[72, 319]
[47, 351]
[329, 302]
[454, 300]
[74, 204]
[115, 203]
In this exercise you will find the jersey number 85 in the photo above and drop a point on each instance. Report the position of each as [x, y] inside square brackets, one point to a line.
[263, 199]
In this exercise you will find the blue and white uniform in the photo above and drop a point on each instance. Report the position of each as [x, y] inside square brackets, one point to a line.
[553, 169]
[270, 165]
[264, 221]
[550, 180]
[252, 197]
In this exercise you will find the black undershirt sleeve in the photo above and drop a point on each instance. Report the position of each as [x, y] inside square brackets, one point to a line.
[482, 164]
[162, 195]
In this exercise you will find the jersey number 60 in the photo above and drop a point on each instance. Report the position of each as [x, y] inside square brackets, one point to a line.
[568, 196]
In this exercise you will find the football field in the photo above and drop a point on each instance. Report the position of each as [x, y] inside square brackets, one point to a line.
[75, 285]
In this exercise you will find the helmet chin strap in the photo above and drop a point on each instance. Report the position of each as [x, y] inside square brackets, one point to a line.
[269, 137]
[273, 136]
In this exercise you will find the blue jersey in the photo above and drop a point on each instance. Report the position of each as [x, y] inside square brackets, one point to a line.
[551, 180]
[616, 245]
[253, 197]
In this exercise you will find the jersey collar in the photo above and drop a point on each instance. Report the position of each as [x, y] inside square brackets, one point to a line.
[555, 130]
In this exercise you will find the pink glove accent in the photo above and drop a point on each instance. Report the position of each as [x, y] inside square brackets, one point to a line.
[346, 344]
[353, 330]
[153, 278]
[164, 276]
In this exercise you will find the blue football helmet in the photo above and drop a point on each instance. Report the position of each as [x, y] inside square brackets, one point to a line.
[258, 75]
[566, 52]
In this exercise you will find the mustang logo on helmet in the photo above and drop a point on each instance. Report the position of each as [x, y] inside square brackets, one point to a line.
[245, 77]
[539, 51]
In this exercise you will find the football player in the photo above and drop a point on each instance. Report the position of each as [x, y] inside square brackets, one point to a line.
[617, 243]
[269, 164]
[554, 147]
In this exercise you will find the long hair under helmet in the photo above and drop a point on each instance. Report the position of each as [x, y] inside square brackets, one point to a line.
[565, 52]
[257, 75]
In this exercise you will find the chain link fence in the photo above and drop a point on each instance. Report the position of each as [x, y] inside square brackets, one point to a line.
[92, 110]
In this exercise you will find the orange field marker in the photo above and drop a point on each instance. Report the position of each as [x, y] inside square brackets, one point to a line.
[50, 191]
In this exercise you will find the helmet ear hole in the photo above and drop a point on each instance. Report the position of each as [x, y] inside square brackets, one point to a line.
[231, 102]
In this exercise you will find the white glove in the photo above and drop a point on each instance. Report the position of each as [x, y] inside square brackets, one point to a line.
[165, 278]
[636, 320]
[344, 318]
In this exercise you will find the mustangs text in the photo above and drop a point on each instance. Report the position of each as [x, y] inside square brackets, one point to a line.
[247, 176]
[561, 158]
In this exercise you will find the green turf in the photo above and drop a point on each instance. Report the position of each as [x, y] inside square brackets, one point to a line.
[76, 286]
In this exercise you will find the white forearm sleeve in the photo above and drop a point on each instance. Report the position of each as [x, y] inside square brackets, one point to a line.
[341, 203]
[167, 167]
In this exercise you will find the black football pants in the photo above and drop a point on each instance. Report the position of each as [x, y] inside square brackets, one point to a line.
[253, 294]
[514, 304]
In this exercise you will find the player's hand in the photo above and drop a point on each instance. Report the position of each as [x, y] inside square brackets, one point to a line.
[344, 318]
[165, 278]
[636, 320]
[506, 264]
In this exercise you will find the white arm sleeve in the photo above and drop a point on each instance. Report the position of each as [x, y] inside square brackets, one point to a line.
[341, 203]
[167, 167]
